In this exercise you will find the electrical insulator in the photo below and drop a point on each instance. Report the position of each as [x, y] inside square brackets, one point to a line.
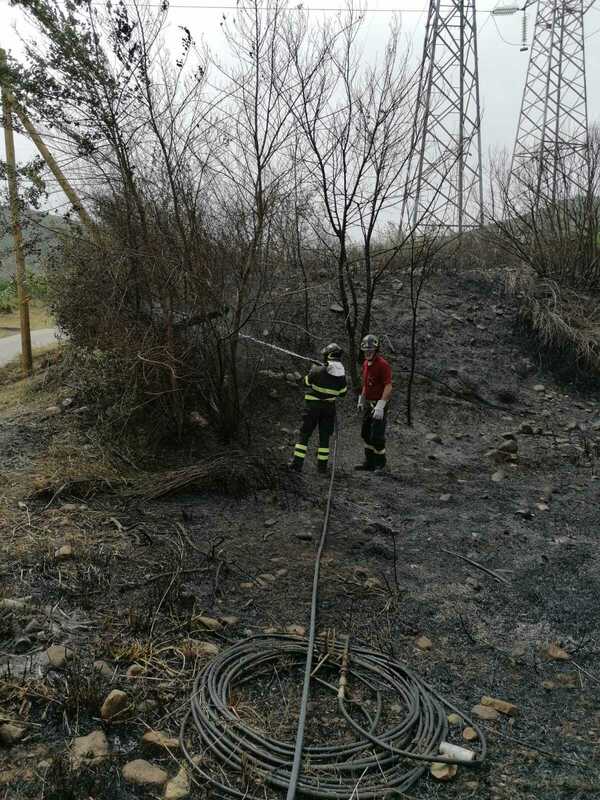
[504, 11]
[524, 45]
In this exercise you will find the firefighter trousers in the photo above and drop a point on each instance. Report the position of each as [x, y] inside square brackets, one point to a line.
[373, 435]
[321, 415]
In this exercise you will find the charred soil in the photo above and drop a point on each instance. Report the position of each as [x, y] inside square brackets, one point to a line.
[145, 581]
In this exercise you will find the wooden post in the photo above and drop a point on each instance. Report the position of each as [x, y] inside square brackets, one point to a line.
[20, 275]
[50, 160]
[57, 172]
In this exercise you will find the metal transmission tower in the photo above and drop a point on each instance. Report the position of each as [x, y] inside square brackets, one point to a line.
[550, 156]
[444, 182]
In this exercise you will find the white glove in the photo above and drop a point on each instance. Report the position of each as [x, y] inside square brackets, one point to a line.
[379, 409]
[361, 402]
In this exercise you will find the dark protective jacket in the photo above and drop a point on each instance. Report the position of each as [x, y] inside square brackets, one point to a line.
[325, 383]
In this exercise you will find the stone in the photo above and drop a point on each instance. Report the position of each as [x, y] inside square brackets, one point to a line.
[193, 648]
[15, 603]
[143, 773]
[104, 669]
[67, 402]
[135, 670]
[115, 703]
[573, 425]
[52, 411]
[69, 507]
[178, 787]
[58, 656]
[423, 643]
[304, 536]
[90, 749]
[11, 734]
[502, 706]
[557, 653]
[498, 476]
[267, 577]
[539, 387]
[281, 573]
[373, 583]
[485, 712]
[270, 522]
[443, 772]
[445, 498]
[542, 506]
[508, 446]
[159, 742]
[434, 437]
[454, 719]
[295, 630]
[337, 308]
[525, 428]
[209, 623]
[474, 584]
[64, 553]
[229, 620]
[469, 734]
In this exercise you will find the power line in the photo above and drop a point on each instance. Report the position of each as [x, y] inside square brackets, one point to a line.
[298, 7]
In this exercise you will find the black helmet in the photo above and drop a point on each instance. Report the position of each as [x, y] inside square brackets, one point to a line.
[370, 342]
[332, 351]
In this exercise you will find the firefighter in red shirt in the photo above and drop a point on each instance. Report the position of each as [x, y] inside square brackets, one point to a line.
[372, 401]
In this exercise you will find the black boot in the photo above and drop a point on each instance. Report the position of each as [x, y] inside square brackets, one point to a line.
[322, 467]
[379, 461]
[368, 464]
[295, 465]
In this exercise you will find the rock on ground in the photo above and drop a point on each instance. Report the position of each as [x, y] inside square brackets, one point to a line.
[90, 749]
[179, 786]
[115, 703]
[159, 742]
[143, 773]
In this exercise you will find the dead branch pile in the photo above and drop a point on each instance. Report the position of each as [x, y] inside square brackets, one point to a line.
[234, 474]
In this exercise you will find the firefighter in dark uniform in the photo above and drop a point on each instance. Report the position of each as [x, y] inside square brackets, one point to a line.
[324, 384]
[372, 401]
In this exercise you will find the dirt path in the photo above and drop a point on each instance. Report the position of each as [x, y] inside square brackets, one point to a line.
[10, 346]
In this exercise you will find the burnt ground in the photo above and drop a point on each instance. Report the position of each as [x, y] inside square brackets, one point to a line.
[142, 573]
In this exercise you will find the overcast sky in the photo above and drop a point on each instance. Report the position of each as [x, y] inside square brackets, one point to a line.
[502, 66]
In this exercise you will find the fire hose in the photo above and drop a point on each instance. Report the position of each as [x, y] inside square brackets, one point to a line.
[376, 761]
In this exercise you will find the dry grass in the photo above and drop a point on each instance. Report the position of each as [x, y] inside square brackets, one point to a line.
[565, 323]
[234, 474]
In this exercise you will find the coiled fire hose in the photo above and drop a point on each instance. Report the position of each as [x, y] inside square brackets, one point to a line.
[377, 761]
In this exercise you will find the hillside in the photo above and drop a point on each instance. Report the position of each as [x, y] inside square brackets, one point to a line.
[474, 561]
[39, 235]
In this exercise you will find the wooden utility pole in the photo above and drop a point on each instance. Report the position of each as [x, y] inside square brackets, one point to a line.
[61, 179]
[20, 275]
[56, 171]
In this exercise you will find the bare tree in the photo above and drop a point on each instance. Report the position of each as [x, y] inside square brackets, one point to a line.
[357, 121]
[550, 224]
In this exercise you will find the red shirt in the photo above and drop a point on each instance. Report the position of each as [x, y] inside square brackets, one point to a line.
[375, 377]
